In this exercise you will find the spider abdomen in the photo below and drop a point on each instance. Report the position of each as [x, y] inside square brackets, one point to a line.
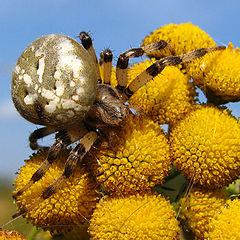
[54, 81]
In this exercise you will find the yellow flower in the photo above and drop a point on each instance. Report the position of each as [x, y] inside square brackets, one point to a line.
[206, 147]
[226, 223]
[198, 208]
[69, 206]
[166, 98]
[10, 235]
[137, 162]
[183, 38]
[135, 217]
[218, 75]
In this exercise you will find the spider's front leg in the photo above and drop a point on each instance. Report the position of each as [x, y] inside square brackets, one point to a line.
[63, 139]
[86, 41]
[123, 59]
[106, 58]
[75, 156]
[159, 65]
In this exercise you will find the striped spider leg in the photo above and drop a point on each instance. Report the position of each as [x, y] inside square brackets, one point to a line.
[122, 63]
[157, 67]
[38, 134]
[63, 139]
[86, 41]
[106, 58]
[75, 156]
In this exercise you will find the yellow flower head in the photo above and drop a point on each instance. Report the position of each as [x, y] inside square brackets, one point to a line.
[183, 38]
[135, 217]
[226, 223]
[198, 208]
[166, 98]
[10, 235]
[218, 75]
[70, 205]
[206, 147]
[138, 161]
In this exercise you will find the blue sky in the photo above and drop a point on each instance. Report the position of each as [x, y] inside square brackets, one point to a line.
[118, 25]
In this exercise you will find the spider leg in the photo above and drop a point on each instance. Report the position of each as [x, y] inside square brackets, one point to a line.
[86, 41]
[37, 134]
[63, 139]
[106, 58]
[159, 65]
[123, 59]
[75, 156]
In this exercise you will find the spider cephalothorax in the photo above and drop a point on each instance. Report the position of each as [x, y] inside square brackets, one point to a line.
[56, 83]
[108, 107]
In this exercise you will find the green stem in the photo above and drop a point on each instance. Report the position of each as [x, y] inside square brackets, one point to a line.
[33, 233]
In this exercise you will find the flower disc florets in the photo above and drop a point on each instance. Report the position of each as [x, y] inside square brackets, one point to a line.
[135, 217]
[183, 38]
[205, 147]
[69, 206]
[218, 75]
[226, 223]
[198, 208]
[10, 235]
[167, 97]
[138, 161]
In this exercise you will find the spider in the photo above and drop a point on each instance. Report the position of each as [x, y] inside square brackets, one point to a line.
[56, 83]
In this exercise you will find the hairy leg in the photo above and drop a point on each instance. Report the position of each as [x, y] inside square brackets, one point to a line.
[75, 156]
[63, 139]
[86, 41]
[158, 66]
[106, 58]
[37, 134]
[122, 63]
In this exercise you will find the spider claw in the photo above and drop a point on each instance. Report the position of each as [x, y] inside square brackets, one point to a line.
[22, 211]
[15, 215]
[14, 196]
[17, 194]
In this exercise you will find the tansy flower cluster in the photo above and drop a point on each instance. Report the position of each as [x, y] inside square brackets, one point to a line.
[113, 193]
[204, 149]
[183, 38]
[199, 207]
[218, 75]
[137, 163]
[134, 217]
[225, 224]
